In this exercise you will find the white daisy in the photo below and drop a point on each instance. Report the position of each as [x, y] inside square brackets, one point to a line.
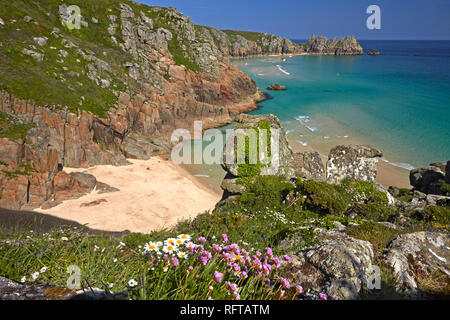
[159, 244]
[184, 237]
[64, 239]
[169, 249]
[23, 279]
[182, 255]
[179, 242]
[35, 275]
[43, 269]
[171, 241]
[132, 283]
[151, 246]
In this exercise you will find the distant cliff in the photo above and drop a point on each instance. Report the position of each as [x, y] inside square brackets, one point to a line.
[244, 44]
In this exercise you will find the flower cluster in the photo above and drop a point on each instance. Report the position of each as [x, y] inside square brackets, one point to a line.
[172, 247]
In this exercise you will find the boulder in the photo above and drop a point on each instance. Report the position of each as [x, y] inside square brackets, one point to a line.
[447, 172]
[309, 165]
[276, 87]
[352, 162]
[430, 179]
[137, 148]
[418, 255]
[231, 186]
[284, 159]
[339, 266]
[374, 53]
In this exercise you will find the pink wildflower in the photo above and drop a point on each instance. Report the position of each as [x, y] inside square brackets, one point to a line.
[323, 296]
[218, 276]
[201, 239]
[285, 283]
[299, 289]
[174, 261]
[224, 237]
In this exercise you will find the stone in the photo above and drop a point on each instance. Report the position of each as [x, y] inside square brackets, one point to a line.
[309, 165]
[428, 179]
[340, 266]
[284, 167]
[352, 162]
[276, 87]
[36, 55]
[41, 41]
[373, 53]
[418, 253]
[231, 186]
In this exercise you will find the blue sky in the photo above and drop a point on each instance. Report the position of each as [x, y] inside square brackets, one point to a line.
[298, 19]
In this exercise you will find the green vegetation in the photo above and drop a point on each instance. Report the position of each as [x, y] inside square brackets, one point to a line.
[272, 213]
[248, 170]
[12, 130]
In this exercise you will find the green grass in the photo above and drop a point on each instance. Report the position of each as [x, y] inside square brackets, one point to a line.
[9, 128]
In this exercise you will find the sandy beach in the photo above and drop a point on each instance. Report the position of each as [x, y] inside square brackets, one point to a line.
[153, 194]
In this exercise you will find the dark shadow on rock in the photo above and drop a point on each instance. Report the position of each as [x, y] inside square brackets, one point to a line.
[24, 221]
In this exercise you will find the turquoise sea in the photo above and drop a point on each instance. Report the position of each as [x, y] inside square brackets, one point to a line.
[398, 101]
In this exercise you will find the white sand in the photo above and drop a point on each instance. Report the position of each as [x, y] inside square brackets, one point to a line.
[153, 194]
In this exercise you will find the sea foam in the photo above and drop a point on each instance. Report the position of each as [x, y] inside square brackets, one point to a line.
[282, 70]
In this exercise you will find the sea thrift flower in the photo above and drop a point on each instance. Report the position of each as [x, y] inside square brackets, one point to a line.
[286, 258]
[216, 248]
[236, 296]
[206, 254]
[276, 262]
[285, 283]
[323, 296]
[224, 237]
[203, 260]
[201, 239]
[210, 288]
[282, 294]
[231, 287]
[269, 252]
[298, 289]
[218, 276]
[174, 261]
[234, 247]
[244, 275]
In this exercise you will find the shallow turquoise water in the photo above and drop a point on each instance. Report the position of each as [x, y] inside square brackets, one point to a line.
[397, 102]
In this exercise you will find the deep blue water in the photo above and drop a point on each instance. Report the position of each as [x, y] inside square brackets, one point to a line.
[397, 101]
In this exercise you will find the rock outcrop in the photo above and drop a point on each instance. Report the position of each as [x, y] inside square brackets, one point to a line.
[417, 255]
[340, 266]
[354, 162]
[276, 87]
[433, 179]
[321, 45]
[245, 44]
[164, 87]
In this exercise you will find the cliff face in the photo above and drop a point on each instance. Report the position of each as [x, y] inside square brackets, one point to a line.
[77, 102]
[245, 44]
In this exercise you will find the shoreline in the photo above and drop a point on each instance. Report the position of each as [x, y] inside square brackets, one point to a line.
[154, 194]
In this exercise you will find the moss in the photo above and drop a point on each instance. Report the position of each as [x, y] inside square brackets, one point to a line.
[444, 187]
[247, 171]
[24, 170]
[437, 214]
[11, 130]
[377, 234]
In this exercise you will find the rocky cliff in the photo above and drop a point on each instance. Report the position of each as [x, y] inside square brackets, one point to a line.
[107, 91]
[244, 44]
